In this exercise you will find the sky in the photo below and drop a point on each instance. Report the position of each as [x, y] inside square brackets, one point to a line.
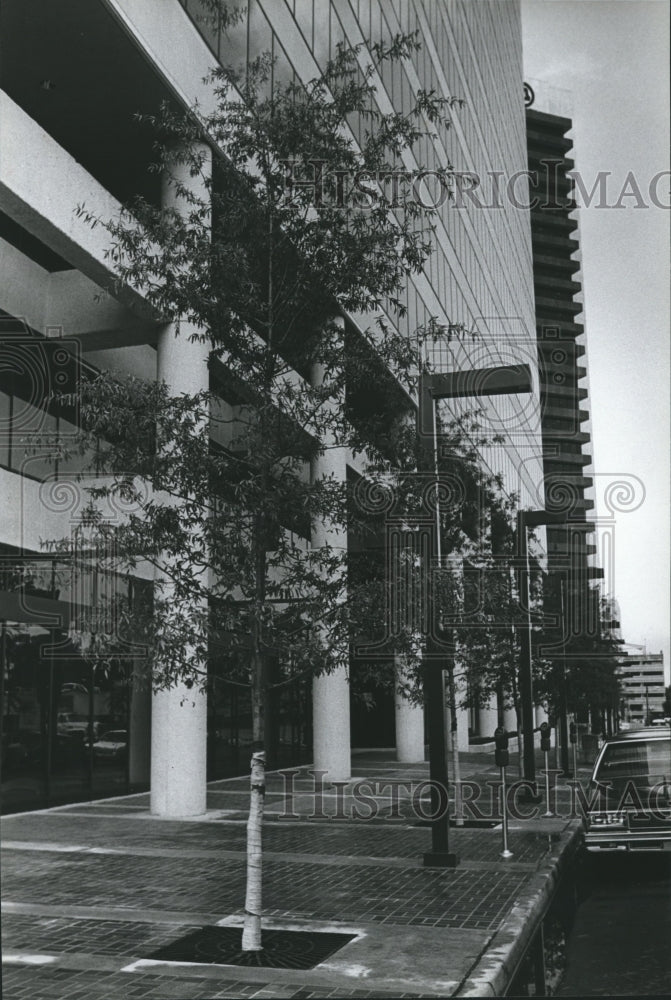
[613, 55]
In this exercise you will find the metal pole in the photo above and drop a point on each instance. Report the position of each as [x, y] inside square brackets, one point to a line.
[500, 380]
[433, 674]
[94, 632]
[434, 702]
[51, 730]
[526, 677]
[128, 685]
[548, 811]
[90, 731]
[3, 667]
[563, 701]
[505, 853]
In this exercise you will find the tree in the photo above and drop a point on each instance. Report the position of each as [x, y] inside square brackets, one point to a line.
[295, 230]
[593, 668]
[471, 589]
[582, 652]
[486, 604]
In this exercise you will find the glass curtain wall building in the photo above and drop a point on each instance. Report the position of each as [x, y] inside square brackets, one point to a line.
[74, 75]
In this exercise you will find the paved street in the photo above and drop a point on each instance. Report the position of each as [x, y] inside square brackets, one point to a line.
[619, 944]
[92, 890]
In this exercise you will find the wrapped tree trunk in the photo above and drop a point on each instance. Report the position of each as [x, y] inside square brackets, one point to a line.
[251, 934]
[454, 743]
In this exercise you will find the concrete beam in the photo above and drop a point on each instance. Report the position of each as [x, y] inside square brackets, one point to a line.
[24, 286]
[69, 303]
[92, 315]
[137, 360]
[154, 28]
[44, 201]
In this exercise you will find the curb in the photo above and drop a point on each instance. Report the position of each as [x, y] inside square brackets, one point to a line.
[493, 972]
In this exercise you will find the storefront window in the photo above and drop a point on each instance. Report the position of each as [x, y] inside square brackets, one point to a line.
[66, 709]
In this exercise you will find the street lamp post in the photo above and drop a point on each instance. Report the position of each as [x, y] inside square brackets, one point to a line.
[433, 387]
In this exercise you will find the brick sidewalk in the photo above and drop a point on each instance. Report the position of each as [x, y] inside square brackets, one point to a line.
[92, 890]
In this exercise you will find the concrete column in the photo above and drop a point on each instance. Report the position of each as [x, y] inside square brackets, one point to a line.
[487, 719]
[463, 713]
[179, 752]
[330, 692]
[462, 727]
[331, 725]
[179, 714]
[541, 714]
[509, 720]
[409, 720]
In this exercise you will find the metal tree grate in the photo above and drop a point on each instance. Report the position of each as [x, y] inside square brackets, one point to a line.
[281, 949]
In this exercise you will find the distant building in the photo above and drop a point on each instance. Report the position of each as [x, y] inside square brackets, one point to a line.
[611, 618]
[642, 687]
[572, 596]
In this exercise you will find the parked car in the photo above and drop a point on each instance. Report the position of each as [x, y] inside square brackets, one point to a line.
[630, 793]
[70, 724]
[112, 745]
[64, 750]
[72, 687]
[14, 752]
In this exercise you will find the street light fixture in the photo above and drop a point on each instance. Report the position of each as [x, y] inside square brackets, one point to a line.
[501, 380]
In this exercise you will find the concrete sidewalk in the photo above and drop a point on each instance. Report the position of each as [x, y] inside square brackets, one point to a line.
[91, 891]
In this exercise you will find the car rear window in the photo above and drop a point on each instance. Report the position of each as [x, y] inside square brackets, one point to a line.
[635, 759]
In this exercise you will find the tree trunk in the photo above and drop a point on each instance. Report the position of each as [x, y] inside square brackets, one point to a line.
[520, 740]
[251, 934]
[454, 742]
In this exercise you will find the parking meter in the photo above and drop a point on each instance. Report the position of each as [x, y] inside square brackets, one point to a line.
[502, 759]
[545, 736]
[545, 747]
[501, 754]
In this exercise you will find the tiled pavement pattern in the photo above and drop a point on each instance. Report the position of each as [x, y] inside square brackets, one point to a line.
[76, 984]
[441, 898]
[132, 938]
[94, 860]
[330, 839]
